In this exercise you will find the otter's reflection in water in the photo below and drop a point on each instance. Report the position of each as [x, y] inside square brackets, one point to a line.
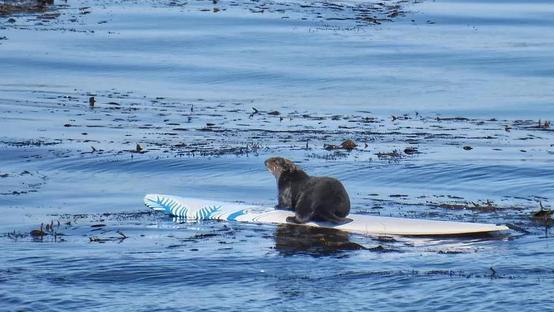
[297, 239]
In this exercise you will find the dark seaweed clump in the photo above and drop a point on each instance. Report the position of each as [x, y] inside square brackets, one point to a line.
[28, 6]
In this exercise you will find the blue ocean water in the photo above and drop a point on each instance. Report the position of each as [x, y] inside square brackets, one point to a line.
[209, 89]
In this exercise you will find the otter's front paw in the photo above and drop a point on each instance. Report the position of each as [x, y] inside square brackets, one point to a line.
[279, 207]
[292, 220]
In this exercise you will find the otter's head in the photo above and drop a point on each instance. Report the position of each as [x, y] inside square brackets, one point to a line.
[278, 165]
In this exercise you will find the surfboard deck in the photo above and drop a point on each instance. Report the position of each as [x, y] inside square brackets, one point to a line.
[199, 209]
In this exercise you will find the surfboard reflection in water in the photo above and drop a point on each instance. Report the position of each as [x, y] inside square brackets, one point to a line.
[296, 239]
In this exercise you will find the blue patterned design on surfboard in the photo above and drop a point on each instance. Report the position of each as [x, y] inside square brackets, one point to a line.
[162, 204]
[175, 208]
[234, 215]
[207, 212]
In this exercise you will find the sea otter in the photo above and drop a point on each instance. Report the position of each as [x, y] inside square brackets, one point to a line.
[311, 198]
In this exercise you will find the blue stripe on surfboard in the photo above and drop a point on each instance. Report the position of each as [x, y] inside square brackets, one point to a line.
[212, 210]
[236, 214]
[167, 204]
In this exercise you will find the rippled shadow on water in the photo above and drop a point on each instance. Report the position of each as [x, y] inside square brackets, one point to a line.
[293, 239]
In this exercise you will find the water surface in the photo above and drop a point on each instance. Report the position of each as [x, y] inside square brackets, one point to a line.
[209, 90]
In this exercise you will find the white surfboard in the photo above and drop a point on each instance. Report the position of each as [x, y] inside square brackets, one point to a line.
[198, 209]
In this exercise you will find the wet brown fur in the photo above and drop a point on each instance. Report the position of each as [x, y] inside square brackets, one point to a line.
[311, 198]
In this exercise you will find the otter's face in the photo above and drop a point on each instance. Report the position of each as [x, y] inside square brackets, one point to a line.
[278, 165]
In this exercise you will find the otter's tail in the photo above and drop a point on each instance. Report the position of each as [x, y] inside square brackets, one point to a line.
[331, 217]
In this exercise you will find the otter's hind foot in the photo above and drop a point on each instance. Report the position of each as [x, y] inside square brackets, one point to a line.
[292, 220]
[343, 221]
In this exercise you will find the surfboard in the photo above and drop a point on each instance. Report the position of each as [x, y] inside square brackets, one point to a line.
[199, 209]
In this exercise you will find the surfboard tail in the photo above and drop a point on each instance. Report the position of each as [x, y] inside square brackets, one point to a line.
[159, 203]
[172, 205]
